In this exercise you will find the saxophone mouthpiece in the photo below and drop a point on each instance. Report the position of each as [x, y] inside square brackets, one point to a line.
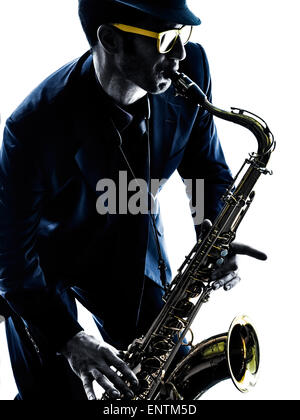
[185, 86]
[174, 75]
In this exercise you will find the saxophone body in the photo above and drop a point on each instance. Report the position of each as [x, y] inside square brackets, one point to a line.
[234, 354]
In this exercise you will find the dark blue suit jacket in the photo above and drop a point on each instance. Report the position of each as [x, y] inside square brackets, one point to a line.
[57, 145]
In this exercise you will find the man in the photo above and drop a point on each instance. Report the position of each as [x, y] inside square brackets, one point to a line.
[112, 111]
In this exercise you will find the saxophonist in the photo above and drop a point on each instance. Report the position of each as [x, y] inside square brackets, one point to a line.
[111, 111]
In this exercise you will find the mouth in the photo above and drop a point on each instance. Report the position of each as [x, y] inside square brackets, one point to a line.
[167, 73]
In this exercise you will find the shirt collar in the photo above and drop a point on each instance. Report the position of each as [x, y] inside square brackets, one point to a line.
[124, 116]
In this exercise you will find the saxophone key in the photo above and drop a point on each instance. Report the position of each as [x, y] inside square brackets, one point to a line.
[161, 345]
[194, 288]
[184, 308]
[150, 365]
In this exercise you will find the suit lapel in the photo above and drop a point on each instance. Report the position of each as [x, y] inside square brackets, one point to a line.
[98, 155]
[165, 129]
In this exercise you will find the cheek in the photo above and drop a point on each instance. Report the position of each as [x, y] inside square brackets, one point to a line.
[147, 56]
[143, 65]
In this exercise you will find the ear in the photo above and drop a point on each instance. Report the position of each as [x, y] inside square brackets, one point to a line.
[109, 38]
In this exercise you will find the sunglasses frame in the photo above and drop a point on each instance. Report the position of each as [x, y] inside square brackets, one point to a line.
[151, 34]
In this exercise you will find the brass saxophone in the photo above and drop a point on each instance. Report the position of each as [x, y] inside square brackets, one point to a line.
[233, 355]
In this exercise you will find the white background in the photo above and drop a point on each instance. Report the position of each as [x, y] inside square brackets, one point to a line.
[253, 52]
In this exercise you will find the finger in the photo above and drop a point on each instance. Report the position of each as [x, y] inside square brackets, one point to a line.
[117, 381]
[105, 383]
[121, 354]
[122, 367]
[237, 248]
[224, 280]
[232, 283]
[229, 266]
[87, 382]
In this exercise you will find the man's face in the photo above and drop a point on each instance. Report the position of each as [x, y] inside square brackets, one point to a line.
[143, 65]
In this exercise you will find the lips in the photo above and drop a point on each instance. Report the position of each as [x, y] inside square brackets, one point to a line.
[167, 66]
[169, 71]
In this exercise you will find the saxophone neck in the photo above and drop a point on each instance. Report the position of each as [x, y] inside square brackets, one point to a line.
[184, 86]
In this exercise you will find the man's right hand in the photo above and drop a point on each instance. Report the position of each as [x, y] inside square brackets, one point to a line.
[92, 360]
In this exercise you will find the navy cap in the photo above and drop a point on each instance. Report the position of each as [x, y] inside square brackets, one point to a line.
[175, 11]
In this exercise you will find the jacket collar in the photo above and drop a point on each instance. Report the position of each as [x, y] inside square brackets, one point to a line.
[96, 133]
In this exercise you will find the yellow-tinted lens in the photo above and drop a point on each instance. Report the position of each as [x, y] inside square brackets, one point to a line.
[167, 40]
[185, 34]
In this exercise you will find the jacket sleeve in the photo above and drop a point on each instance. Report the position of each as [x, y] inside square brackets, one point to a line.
[204, 157]
[22, 281]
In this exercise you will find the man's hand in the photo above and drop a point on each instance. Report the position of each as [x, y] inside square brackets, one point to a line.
[93, 360]
[226, 274]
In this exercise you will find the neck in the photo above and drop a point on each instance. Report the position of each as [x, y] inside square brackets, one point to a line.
[117, 87]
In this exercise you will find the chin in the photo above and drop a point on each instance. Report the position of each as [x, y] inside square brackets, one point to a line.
[156, 84]
[162, 85]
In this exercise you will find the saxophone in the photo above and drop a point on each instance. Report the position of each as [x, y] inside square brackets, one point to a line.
[234, 354]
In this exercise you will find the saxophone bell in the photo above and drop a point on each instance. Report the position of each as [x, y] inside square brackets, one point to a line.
[232, 355]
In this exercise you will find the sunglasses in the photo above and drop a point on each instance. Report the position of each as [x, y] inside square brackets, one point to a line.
[165, 40]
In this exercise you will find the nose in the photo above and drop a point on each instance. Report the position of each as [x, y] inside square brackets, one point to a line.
[178, 51]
